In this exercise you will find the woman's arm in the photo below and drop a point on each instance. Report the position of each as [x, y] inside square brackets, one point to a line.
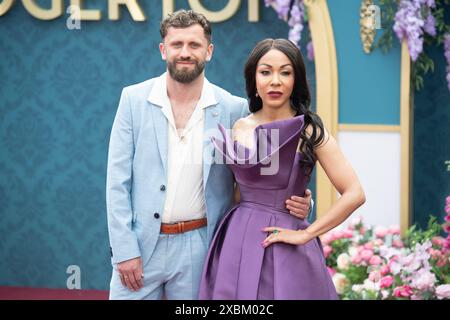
[344, 179]
[346, 182]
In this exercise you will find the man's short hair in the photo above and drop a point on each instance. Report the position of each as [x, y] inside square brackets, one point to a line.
[183, 19]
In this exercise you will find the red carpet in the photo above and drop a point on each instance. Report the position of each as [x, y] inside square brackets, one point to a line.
[21, 293]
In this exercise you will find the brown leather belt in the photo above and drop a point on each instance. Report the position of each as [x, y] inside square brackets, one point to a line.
[183, 226]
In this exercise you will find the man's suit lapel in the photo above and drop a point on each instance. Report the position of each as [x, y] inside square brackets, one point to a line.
[212, 116]
[160, 127]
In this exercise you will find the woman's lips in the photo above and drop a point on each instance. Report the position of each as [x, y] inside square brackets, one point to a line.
[275, 95]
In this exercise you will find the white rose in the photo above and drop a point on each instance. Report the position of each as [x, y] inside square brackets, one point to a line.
[353, 251]
[357, 288]
[371, 286]
[340, 281]
[343, 261]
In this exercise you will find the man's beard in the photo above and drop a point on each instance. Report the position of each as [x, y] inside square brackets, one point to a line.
[183, 75]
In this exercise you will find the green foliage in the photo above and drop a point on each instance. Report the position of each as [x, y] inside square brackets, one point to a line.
[387, 9]
[356, 274]
[414, 235]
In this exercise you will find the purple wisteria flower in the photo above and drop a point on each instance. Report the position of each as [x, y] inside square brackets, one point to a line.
[280, 6]
[295, 17]
[296, 22]
[447, 57]
[410, 24]
[430, 25]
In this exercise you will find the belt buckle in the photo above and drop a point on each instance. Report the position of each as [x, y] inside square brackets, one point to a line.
[181, 226]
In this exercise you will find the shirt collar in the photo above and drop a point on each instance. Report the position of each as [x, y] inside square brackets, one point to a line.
[158, 94]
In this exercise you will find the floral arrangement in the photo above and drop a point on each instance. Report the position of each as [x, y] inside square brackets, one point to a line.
[376, 263]
[294, 13]
[420, 23]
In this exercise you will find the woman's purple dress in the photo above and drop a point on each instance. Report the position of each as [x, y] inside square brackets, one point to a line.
[237, 266]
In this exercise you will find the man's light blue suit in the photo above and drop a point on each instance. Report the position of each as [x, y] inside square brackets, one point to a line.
[137, 168]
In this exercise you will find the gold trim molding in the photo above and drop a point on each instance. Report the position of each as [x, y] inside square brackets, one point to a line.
[327, 93]
[405, 138]
[368, 128]
[5, 5]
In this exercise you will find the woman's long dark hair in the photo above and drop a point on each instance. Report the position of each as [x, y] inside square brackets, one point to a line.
[300, 97]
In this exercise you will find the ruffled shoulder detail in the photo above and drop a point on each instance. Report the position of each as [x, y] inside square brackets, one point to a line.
[268, 139]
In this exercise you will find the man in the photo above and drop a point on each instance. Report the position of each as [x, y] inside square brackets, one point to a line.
[165, 195]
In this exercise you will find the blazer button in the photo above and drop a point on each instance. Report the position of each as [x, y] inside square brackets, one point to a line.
[162, 187]
[156, 215]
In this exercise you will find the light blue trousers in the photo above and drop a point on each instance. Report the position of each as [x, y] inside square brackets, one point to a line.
[173, 271]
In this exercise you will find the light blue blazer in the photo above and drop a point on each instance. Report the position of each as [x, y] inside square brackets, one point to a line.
[137, 168]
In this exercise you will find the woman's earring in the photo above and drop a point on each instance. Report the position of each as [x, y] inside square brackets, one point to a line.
[256, 95]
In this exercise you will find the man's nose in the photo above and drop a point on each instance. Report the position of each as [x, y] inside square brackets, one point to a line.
[185, 52]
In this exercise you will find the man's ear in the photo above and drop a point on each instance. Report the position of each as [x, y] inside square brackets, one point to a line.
[162, 49]
[209, 52]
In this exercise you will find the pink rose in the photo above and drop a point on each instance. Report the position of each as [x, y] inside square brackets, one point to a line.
[374, 276]
[443, 291]
[446, 227]
[397, 243]
[394, 230]
[447, 242]
[378, 242]
[394, 266]
[356, 259]
[404, 291]
[442, 261]
[333, 236]
[327, 250]
[366, 254]
[386, 282]
[381, 231]
[369, 246]
[384, 270]
[339, 234]
[375, 260]
[438, 241]
[348, 234]
[435, 254]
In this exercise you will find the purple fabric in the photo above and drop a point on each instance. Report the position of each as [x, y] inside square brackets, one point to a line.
[237, 266]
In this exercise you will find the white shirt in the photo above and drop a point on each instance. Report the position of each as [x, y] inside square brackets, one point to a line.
[185, 198]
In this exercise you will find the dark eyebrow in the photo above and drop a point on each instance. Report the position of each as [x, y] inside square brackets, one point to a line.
[268, 65]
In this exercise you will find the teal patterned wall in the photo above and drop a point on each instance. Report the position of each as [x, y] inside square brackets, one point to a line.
[431, 178]
[59, 91]
[368, 83]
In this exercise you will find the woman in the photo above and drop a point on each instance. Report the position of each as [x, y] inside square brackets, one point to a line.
[259, 250]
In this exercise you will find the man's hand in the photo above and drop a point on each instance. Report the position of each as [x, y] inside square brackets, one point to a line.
[130, 273]
[298, 206]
